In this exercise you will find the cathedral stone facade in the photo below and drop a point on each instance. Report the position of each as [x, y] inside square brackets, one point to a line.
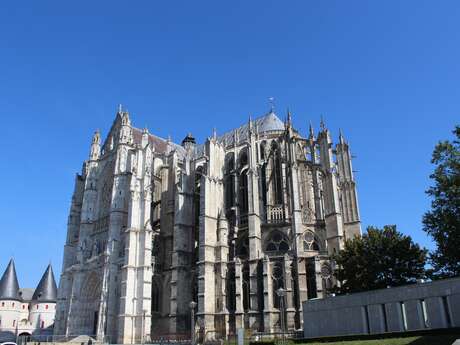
[154, 225]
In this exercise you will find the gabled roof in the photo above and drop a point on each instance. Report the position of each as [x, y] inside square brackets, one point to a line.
[9, 286]
[26, 294]
[46, 290]
[159, 144]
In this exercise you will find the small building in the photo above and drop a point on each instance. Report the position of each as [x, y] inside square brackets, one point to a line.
[422, 306]
[26, 312]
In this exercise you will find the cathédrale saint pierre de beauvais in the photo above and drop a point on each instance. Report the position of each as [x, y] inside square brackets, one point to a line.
[154, 225]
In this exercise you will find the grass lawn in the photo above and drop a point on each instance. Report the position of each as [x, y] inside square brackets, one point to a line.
[421, 340]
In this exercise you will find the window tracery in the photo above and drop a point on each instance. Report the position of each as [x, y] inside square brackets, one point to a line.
[278, 281]
[277, 242]
[309, 241]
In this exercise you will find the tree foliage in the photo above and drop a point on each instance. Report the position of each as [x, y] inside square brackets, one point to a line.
[442, 222]
[378, 259]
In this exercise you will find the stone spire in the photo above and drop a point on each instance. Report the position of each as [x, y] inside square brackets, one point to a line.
[289, 119]
[250, 125]
[312, 133]
[145, 137]
[322, 124]
[341, 139]
[9, 286]
[46, 290]
[126, 135]
[95, 146]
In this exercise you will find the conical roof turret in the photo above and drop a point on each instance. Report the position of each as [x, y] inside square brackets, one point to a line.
[46, 290]
[9, 286]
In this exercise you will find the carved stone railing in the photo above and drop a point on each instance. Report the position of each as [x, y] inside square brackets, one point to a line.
[275, 214]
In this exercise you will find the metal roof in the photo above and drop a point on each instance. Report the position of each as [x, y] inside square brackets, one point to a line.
[9, 286]
[46, 290]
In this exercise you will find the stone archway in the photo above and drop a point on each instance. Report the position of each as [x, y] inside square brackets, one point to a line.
[90, 300]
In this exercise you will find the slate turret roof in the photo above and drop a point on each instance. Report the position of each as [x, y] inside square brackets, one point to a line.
[46, 290]
[9, 286]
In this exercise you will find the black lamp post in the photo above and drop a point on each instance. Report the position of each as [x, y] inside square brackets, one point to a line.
[192, 322]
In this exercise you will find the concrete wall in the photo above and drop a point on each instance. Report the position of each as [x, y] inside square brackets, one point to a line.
[413, 307]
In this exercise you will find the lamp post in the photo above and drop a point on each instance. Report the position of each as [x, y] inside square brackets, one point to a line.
[281, 294]
[192, 321]
[143, 327]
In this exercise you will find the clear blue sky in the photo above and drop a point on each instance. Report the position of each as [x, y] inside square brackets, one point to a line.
[387, 73]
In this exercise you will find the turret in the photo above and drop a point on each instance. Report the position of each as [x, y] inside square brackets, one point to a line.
[46, 290]
[43, 304]
[347, 185]
[325, 147]
[9, 286]
[333, 216]
[145, 138]
[189, 141]
[126, 133]
[10, 300]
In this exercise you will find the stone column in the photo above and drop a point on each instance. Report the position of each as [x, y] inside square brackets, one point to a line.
[289, 286]
[302, 283]
[183, 241]
[211, 202]
[254, 232]
[319, 279]
[136, 285]
[239, 310]
[297, 225]
[222, 258]
[333, 215]
[269, 312]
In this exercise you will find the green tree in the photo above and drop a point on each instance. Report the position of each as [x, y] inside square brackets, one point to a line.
[378, 259]
[442, 222]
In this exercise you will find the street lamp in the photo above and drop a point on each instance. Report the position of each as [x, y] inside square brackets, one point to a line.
[281, 294]
[192, 328]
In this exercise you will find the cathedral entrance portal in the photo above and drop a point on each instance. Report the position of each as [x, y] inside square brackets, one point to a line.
[91, 294]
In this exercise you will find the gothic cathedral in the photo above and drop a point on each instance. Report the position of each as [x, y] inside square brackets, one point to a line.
[154, 225]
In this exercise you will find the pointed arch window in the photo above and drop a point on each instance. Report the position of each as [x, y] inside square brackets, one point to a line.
[276, 177]
[246, 287]
[243, 158]
[242, 246]
[243, 192]
[309, 241]
[231, 289]
[277, 243]
[156, 298]
[278, 281]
